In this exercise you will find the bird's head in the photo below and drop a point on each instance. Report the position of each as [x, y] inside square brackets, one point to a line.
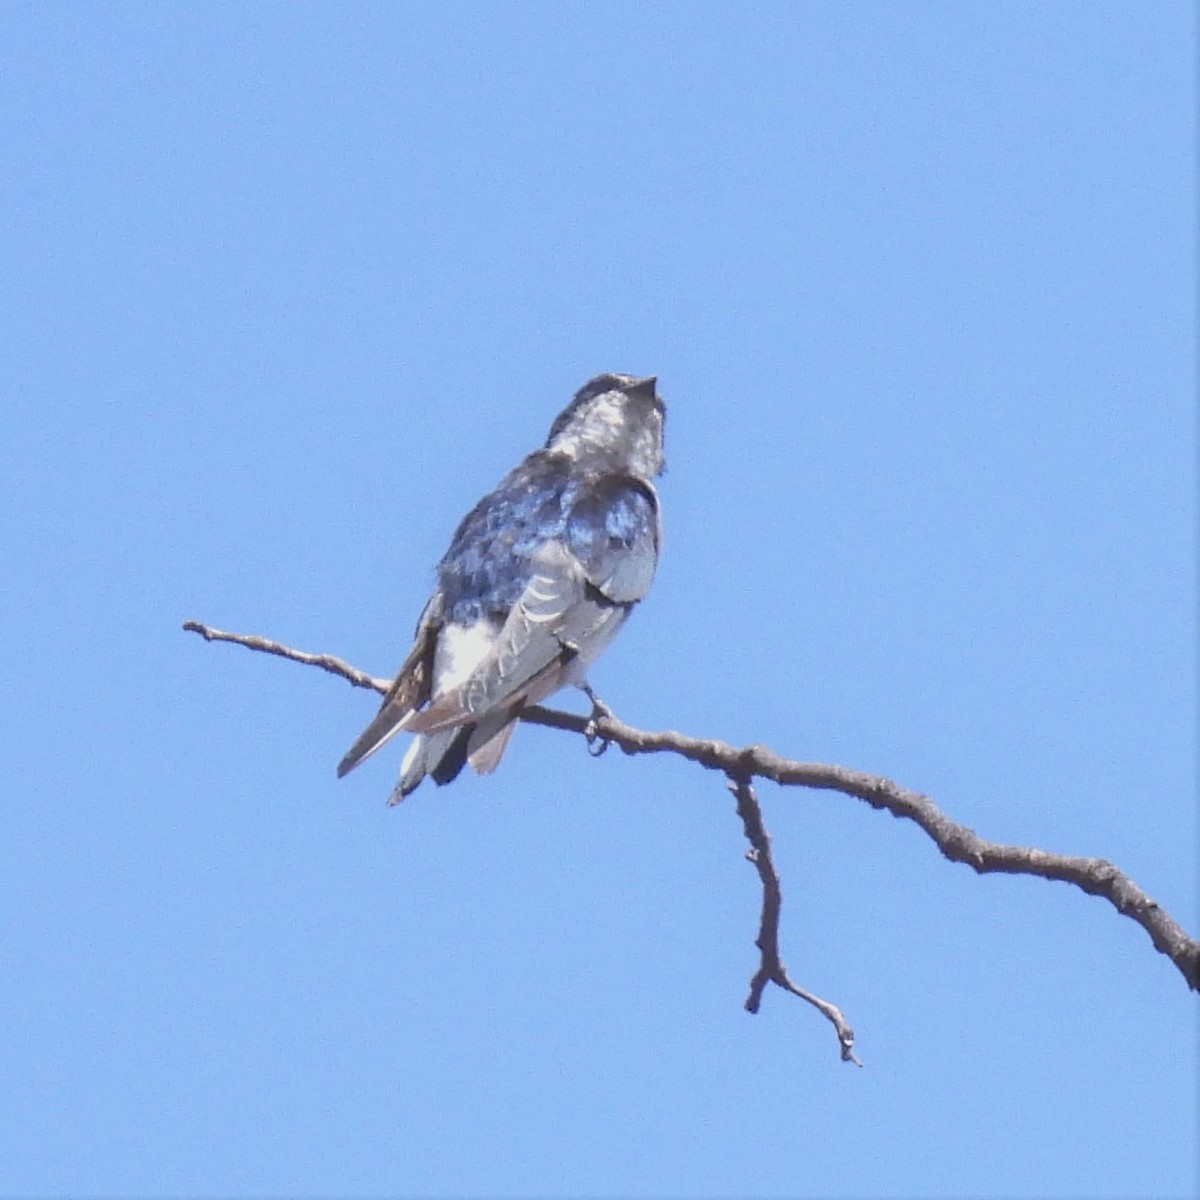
[615, 422]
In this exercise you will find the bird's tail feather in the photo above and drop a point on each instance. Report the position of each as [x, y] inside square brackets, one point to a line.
[487, 744]
[425, 757]
[443, 754]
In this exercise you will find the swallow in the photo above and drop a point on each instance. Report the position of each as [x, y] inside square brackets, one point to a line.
[539, 577]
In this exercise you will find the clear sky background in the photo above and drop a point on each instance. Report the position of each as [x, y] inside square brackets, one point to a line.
[286, 288]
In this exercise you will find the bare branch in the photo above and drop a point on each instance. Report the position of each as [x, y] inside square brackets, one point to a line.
[326, 662]
[956, 842]
[770, 967]
[1095, 876]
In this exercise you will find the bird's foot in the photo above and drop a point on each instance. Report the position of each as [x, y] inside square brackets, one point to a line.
[596, 742]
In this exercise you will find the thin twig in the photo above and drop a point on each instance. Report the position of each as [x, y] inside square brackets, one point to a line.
[326, 662]
[1095, 876]
[770, 967]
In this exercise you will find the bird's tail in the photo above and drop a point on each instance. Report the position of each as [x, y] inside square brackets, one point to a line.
[443, 754]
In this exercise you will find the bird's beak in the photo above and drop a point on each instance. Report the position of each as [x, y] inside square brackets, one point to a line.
[643, 388]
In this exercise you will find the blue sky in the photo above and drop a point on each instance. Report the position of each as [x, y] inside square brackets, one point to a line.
[287, 287]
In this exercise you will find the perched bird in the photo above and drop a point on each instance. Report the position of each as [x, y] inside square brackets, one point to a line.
[540, 575]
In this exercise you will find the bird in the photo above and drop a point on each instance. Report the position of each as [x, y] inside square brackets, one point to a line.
[539, 577]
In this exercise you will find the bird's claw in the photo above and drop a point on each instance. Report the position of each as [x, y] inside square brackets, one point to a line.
[597, 743]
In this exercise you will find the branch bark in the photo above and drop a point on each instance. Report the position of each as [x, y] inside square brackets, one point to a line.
[740, 765]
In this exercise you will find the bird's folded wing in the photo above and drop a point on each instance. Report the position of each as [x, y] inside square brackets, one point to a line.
[539, 634]
[410, 689]
[614, 532]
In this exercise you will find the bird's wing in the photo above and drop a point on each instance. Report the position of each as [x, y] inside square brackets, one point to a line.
[527, 645]
[614, 532]
[410, 689]
[581, 588]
